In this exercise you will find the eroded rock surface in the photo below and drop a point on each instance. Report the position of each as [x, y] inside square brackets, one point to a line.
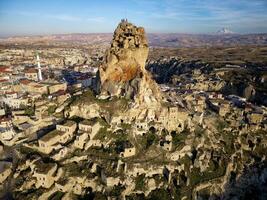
[123, 72]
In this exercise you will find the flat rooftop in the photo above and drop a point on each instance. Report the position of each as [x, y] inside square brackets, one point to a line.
[88, 122]
[68, 123]
[51, 134]
[43, 168]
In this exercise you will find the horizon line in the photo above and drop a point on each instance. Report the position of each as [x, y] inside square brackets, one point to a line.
[5, 36]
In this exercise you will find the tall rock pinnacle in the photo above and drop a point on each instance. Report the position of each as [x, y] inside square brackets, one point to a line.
[123, 72]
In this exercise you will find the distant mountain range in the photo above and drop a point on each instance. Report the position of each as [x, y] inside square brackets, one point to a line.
[224, 38]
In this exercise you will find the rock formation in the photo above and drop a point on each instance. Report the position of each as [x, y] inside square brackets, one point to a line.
[123, 72]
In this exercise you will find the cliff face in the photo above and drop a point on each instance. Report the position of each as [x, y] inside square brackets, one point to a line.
[123, 72]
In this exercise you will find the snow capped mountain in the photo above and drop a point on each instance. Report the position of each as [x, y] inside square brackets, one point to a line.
[225, 31]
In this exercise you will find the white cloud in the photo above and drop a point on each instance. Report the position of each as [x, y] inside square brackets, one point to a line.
[96, 19]
[63, 17]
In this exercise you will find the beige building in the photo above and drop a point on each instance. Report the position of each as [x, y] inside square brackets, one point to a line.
[200, 104]
[167, 143]
[80, 140]
[222, 107]
[31, 74]
[87, 131]
[62, 153]
[15, 103]
[86, 126]
[128, 152]
[69, 126]
[31, 87]
[45, 174]
[90, 126]
[52, 140]
[93, 143]
[173, 118]
[55, 87]
[140, 127]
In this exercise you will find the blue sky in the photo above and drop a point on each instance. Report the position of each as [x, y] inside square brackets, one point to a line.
[31, 17]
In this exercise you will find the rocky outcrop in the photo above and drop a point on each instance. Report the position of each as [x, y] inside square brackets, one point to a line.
[123, 72]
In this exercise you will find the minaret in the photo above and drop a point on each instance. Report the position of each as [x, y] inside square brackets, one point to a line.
[40, 78]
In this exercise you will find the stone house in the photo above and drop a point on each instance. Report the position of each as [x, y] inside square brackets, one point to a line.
[50, 142]
[200, 104]
[20, 118]
[31, 74]
[5, 122]
[86, 126]
[81, 139]
[116, 120]
[45, 174]
[151, 115]
[15, 103]
[74, 184]
[60, 135]
[200, 85]
[69, 126]
[186, 150]
[166, 143]
[140, 127]
[173, 118]
[129, 150]
[220, 106]
[31, 87]
[61, 153]
[11, 95]
[93, 143]
[55, 87]
[91, 127]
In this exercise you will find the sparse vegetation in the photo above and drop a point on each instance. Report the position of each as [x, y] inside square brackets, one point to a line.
[211, 173]
[178, 139]
[197, 84]
[29, 111]
[112, 106]
[140, 182]
[51, 109]
[159, 194]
